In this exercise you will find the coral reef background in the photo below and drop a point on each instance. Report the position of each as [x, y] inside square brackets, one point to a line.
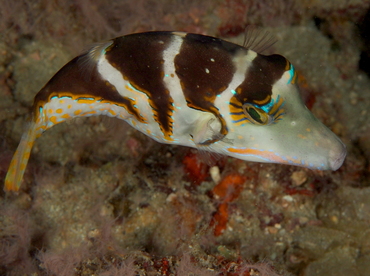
[100, 198]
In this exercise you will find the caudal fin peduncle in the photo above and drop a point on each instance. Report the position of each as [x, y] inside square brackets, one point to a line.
[19, 162]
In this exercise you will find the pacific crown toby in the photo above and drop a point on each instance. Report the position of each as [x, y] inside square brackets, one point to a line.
[191, 90]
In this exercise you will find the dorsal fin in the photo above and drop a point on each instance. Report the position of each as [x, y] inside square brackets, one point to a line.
[257, 39]
[89, 57]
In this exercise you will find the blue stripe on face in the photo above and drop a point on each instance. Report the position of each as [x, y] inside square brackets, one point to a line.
[243, 119]
[291, 72]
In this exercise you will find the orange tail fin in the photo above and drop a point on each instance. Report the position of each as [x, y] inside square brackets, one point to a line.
[19, 162]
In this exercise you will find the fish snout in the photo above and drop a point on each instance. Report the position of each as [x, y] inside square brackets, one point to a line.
[337, 156]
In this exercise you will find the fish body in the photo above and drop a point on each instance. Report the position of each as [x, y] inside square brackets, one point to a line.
[191, 90]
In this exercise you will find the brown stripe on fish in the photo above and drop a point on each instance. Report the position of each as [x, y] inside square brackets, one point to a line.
[140, 60]
[259, 79]
[80, 86]
[205, 68]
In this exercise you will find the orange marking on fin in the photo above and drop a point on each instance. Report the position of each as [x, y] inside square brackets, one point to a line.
[65, 116]
[19, 162]
[88, 113]
[53, 119]
[112, 112]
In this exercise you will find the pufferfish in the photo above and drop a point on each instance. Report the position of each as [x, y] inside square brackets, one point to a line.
[191, 90]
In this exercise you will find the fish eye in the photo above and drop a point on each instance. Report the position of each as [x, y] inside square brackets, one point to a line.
[256, 115]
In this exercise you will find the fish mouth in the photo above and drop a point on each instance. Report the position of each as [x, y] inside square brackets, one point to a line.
[336, 162]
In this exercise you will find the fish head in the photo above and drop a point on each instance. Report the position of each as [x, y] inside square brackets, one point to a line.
[284, 131]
